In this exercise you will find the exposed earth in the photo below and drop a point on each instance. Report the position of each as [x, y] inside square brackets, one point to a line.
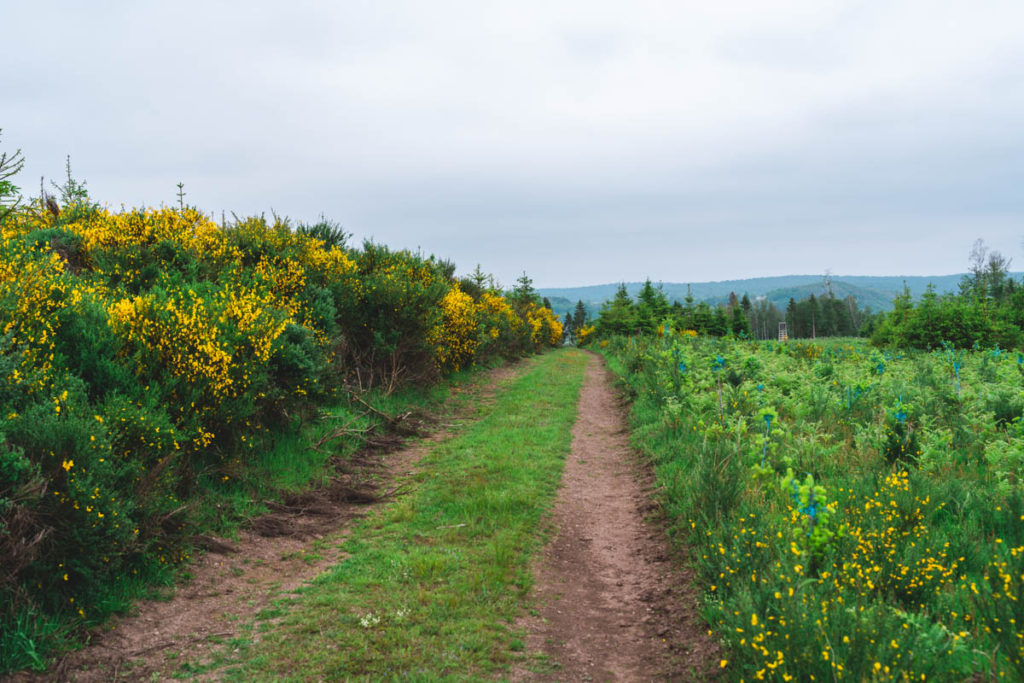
[612, 604]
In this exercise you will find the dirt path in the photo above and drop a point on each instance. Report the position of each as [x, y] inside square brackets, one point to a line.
[612, 606]
[238, 582]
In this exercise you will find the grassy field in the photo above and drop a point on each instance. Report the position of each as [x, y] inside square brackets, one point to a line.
[433, 581]
[853, 513]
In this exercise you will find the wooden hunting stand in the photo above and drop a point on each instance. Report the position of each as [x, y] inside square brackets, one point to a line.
[783, 334]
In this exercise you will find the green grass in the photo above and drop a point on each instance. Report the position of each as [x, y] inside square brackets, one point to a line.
[33, 638]
[432, 583]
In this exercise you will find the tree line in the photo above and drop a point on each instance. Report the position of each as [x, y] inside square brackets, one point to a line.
[986, 311]
[825, 316]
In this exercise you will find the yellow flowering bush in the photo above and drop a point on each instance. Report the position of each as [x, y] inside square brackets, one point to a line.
[584, 333]
[500, 329]
[32, 293]
[181, 335]
[545, 328]
[454, 338]
[200, 339]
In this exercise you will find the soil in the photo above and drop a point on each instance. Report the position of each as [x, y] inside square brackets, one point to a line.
[613, 602]
[237, 579]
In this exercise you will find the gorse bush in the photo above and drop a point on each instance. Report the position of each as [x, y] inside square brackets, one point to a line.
[146, 351]
[852, 514]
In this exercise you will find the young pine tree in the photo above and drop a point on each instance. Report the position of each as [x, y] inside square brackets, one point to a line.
[579, 316]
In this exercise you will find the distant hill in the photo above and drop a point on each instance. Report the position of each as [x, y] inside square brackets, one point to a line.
[561, 305]
[868, 290]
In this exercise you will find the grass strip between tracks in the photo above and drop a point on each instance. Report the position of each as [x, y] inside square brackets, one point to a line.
[434, 580]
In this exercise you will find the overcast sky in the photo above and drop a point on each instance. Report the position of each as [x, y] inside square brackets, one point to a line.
[581, 141]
